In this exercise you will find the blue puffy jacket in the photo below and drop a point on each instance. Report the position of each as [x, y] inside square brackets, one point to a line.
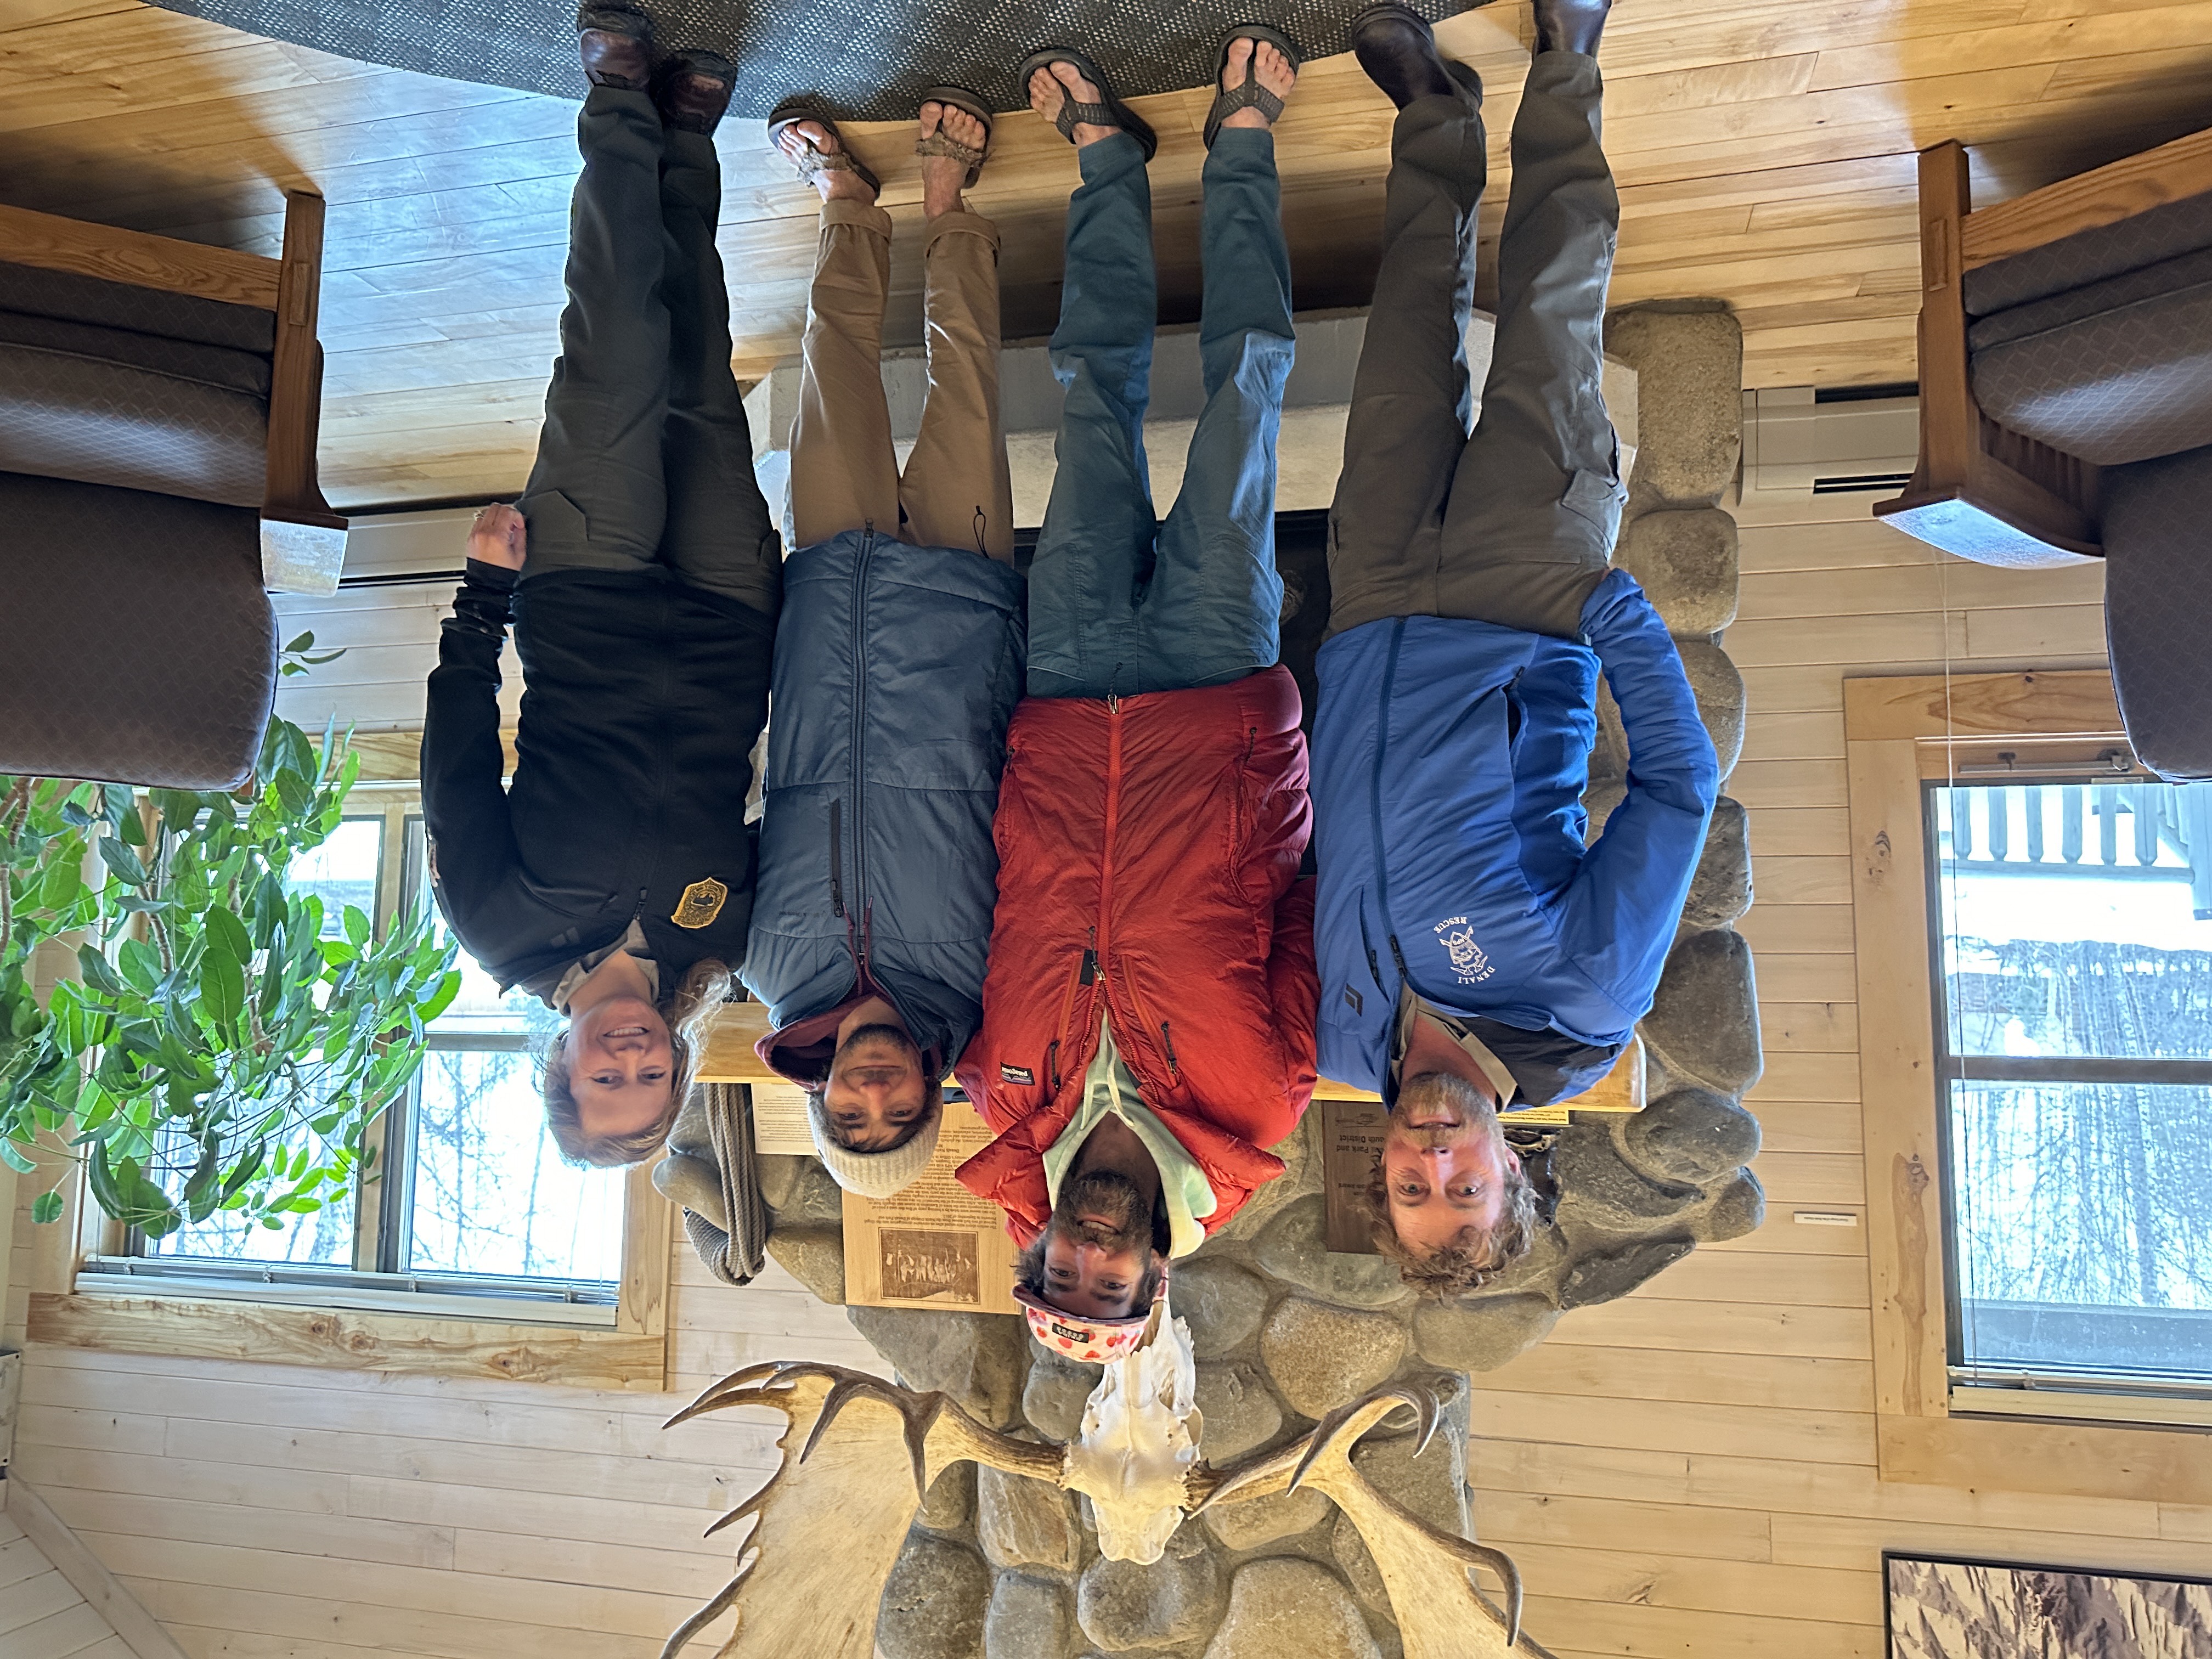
[1450, 759]
[896, 669]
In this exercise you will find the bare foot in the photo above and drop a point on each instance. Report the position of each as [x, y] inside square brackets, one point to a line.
[1051, 87]
[1273, 70]
[840, 183]
[942, 176]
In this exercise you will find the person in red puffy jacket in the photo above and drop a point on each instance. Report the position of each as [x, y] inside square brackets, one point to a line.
[1148, 1010]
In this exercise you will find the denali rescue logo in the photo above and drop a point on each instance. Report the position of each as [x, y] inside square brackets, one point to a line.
[1467, 960]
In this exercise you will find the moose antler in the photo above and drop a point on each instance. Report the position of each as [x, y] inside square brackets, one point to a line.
[811, 1580]
[1440, 1613]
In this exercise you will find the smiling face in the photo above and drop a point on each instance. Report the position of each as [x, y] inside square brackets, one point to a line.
[1446, 1168]
[1100, 1258]
[878, 1092]
[621, 1066]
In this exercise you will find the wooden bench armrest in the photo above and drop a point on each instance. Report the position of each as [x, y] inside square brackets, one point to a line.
[293, 494]
[1979, 491]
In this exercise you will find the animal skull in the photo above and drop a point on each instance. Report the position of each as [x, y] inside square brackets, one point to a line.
[1139, 1440]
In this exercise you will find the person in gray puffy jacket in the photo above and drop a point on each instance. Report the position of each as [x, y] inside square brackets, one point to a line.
[900, 654]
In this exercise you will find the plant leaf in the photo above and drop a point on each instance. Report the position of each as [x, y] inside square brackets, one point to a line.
[121, 860]
[225, 930]
[45, 1207]
[222, 988]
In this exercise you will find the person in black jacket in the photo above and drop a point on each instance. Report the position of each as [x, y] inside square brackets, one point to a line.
[642, 574]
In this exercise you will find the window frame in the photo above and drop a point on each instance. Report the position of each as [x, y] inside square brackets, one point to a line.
[1901, 731]
[353, 1328]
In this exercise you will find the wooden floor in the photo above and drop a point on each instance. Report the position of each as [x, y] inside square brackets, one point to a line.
[42, 1615]
[1764, 147]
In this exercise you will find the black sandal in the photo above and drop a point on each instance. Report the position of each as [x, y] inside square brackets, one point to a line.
[941, 143]
[1250, 94]
[816, 162]
[1111, 113]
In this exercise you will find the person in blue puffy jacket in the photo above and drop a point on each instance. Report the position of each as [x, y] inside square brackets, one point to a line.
[1475, 955]
[900, 654]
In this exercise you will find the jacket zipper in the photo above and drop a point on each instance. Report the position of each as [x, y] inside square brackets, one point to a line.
[836, 860]
[1374, 791]
[1102, 945]
[859, 728]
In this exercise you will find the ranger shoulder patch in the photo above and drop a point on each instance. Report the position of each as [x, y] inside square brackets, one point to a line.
[700, 904]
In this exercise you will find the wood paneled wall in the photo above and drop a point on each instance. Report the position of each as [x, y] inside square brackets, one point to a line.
[1687, 1472]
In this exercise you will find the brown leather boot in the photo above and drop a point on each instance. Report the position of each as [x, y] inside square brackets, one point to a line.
[693, 90]
[1570, 25]
[1396, 48]
[616, 46]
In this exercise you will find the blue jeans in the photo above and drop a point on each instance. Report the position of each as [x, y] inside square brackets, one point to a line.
[1120, 602]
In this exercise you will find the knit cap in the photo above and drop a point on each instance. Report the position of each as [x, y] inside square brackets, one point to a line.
[873, 1174]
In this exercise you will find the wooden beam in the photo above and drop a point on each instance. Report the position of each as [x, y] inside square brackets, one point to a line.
[348, 1339]
[2171, 172]
[2043, 704]
[2071, 1460]
[731, 1058]
[649, 1235]
[87, 1575]
[53, 243]
[1897, 1083]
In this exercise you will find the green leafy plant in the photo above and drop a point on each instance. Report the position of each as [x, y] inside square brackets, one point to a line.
[217, 1050]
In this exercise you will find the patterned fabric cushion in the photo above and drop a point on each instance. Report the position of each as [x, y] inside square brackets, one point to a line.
[2091, 256]
[63, 417]
[2158, 609]
[139, 647]
[2122, 386]
[2016, 323]
[73, 298]
[184, 360]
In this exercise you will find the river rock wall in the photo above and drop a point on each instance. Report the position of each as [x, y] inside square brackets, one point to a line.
[1001, 1567]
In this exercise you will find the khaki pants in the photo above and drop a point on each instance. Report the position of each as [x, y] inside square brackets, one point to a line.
[955, 491]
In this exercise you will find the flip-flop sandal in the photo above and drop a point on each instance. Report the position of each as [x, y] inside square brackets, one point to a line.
[1110, 113]
[815, 163]
[942, 143]
[1250, 94]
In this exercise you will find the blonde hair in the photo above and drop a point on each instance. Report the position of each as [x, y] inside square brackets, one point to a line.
[688, 1010]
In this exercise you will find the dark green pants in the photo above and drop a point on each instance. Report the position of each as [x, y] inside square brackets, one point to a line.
[1515, 524]
[645, 458]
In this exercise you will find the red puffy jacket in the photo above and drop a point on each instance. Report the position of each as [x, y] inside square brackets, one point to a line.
[1148, 853]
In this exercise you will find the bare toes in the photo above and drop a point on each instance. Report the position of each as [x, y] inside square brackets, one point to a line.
[1240, 55]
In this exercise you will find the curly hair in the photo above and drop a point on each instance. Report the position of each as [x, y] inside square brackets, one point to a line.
[1472, 1259]
[688, 1009]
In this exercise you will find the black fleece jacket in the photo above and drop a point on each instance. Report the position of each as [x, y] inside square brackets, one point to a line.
[642, 698]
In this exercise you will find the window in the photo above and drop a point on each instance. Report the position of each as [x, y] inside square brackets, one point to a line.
[468, 1205]
[2073, 982]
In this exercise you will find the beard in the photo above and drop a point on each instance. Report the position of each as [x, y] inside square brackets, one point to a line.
[1127, 1223]
[1440, 1095]
[866, 1034]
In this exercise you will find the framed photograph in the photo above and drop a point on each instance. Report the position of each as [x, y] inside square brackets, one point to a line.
[1941, 1607]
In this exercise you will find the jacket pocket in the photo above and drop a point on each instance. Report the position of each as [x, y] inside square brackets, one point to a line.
[836, 857]
[555, 525]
